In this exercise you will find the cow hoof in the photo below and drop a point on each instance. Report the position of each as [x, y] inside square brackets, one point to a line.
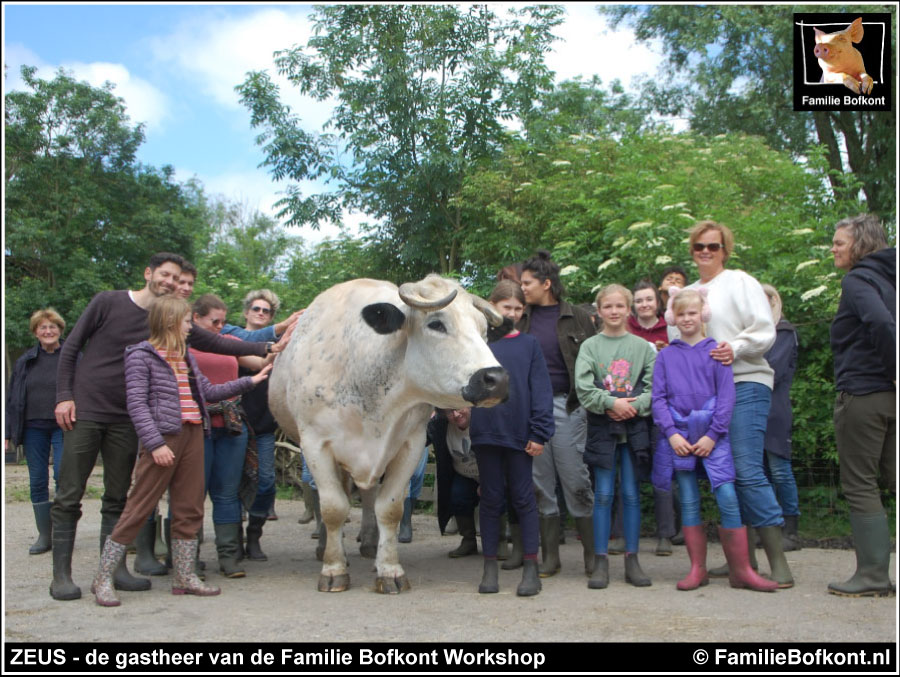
[368, 551]
[337, 583]
[391, 586]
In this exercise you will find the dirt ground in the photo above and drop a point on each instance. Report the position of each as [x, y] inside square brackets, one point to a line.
[278, 600]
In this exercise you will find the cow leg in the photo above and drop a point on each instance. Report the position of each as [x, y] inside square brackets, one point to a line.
[335, 506]
[391, 579]
[368, 531]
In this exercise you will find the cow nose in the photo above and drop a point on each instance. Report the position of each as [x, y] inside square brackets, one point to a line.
[487, 386]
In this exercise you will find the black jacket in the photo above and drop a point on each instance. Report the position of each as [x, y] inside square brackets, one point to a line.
[864, 330]
[782, 357]
[15, 396]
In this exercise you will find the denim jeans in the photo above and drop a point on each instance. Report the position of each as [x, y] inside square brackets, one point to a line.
[306, 475]
[418, 477]
[223, 462]
[604, 494]
[759, 507]
[689, 493]
[780, 474]
[265, 490]
[37, 443]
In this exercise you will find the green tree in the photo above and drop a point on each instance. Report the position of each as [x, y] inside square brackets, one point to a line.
[730, 68]
[81, 215]
[422, 92]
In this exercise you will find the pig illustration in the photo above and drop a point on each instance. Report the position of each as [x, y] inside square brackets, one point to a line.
[840, 61]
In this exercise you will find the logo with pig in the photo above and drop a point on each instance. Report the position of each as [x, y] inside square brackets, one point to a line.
[842, 63]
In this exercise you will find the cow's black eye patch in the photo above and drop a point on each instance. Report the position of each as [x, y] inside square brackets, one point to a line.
[385, 318]
[437, 325]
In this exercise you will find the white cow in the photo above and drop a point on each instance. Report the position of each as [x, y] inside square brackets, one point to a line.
[356, 386]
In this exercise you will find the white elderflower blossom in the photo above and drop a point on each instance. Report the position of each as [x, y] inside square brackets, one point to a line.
[561, 163]
[805, 264]
[606, 264]
[802, 231]
[568, 270]
[662, 260]
[807, 295]
[640, 224]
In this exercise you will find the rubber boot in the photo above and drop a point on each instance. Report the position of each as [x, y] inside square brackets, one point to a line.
[633, 572]
[317, 513]
[62, 587]
[600, 577]
[678, 539]
[531, 582]
[103, 586]
[872, 542]
[489, 581]
[145, 563]
[585, 527]
[185, 580]
[740, 574]
[722, 571]
[167, 535]
[695, 542]
[272, 515]
[616, 546]
[780, 571]
[254, 533]
[122, 578]
[241, 552]
[469, 544]
[663, 547]
[227, 549]
[514, 561]
[404, 533]
[790, 541]
[45, 528]
[550, 529]
[160, 546]
[451, 527]
[503, 543]
[308, 514]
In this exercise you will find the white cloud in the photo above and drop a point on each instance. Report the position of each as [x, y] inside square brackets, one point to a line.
[216, 51]
[144, 102]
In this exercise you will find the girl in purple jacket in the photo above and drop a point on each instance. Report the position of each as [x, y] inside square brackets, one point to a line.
[693, 397]
[167, 396]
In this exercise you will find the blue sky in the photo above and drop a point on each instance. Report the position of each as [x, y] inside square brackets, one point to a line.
[176, 67]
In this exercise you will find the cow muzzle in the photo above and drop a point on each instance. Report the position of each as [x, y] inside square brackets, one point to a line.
[487, 387]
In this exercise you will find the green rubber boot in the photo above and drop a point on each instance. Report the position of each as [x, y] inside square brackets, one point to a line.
[872, 541]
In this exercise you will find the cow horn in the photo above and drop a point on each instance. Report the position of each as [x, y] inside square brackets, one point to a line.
[494, 318]
[412, 297]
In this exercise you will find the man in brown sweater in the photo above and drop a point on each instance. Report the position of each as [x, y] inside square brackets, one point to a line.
[91, 409]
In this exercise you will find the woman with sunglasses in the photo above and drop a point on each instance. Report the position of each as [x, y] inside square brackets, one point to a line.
[743, 328]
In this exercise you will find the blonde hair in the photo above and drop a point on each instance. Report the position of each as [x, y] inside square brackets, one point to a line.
[615, 289]
[46, 315]
[684, 297]
[266, 295]
[774, 301]
[727, 236]
[166, 314]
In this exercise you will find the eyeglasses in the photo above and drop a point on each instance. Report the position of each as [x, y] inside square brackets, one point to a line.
[712, 246]
[260, 309]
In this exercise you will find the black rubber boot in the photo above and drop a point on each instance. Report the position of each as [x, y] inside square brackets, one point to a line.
[531, 582]
[227, 549]
[489, 580]
[550, 529]
[241, 552]
[167, 535]
[600, 577]
[790, 540]
[404, 533]
[469, 543]
[62, 587]
[872, 542]
[254, 533]
[317, 513]
[515, 558]
[585, 527]
[633, 572]
[144, 562]
[45, 528]
[122, 578]
[503, 543]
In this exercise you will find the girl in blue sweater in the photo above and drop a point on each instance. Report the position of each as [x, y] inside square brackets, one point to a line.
[505, 438]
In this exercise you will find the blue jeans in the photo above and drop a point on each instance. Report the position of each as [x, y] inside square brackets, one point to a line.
[689, 493]
[418, 477]
[759, 507]
[223, 463]
[782, 477]
[37, 443]
[265, 490]
[604, 493]
[306, 475]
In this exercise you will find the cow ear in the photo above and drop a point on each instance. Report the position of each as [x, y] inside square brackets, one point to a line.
[497, 333]
[384, 318]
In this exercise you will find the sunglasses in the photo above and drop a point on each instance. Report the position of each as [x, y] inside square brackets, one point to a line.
[712, 246]
[260, 309]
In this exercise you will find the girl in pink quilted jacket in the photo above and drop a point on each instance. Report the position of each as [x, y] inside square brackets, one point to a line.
[167, 396]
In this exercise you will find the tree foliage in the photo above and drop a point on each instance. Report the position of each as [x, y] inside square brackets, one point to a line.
[81, 214]
[730, 68]
[422, 92]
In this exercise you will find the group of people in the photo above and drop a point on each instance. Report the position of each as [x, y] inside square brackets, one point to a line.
[666, 381]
